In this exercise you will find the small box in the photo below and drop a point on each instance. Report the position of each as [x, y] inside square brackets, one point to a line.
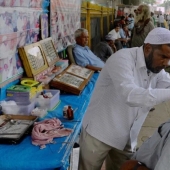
[19, 109]
[20, 93]
[62, 63]
[18, 97]
[19, 88]
[49, 103]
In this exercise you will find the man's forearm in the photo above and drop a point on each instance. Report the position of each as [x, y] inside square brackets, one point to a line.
[122, 39]
[93, 68]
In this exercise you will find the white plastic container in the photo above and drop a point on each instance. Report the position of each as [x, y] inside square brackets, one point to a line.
[19, 108]
[48, 103]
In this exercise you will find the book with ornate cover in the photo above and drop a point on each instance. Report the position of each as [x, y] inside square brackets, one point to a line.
[33, 59]
[49, 51]
[39, 60]
[79, 71]
[73, 79]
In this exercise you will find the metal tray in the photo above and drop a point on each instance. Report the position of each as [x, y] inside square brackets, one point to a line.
[13, 128]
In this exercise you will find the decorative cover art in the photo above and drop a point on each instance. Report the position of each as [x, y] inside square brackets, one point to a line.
[79, 71]
[49, 51]
[70, 80]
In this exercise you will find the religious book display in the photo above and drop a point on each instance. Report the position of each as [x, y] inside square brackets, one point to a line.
[33, 59]
[49, 51]
[73, 79]
[39, 60]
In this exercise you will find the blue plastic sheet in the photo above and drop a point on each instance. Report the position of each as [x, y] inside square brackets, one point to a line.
[3, 89]
[26, 156]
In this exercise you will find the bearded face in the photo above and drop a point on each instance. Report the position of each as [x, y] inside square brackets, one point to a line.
[143, 13]
[139, 17]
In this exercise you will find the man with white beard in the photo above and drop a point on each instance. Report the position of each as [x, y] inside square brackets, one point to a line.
[143, 25]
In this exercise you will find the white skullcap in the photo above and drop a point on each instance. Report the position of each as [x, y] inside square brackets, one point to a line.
[109, 37]
[158, 36]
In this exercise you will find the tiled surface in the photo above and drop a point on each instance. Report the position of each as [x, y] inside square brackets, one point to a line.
[153, 120]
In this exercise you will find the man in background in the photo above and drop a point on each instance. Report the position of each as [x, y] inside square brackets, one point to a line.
[130, 22]
[124, 33]
[105, 48]
[83, 55]
[143, 25]
[116, 35]
[153, 18]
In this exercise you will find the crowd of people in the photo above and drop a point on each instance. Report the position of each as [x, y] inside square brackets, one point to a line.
[129, 31]
[132, 80]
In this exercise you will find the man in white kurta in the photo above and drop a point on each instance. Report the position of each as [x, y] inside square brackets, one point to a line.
[116, 35]
[130, 84]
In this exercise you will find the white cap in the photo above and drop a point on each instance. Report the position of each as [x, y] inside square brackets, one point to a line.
[158, 36]
[109, 37]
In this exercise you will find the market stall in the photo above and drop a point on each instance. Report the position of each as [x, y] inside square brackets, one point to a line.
[25, 155]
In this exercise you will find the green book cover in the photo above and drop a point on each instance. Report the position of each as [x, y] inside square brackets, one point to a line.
[19, 88]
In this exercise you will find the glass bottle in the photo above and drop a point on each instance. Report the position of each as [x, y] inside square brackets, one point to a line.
[70, 114]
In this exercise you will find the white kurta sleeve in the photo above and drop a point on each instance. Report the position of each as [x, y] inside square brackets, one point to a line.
[125, 81]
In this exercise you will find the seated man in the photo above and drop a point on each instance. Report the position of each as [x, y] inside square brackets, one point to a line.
[105, 48]
[155, 151]
[124, 33]
[83, 55]
[116, 35]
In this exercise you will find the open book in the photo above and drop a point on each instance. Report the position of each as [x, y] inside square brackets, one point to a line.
[73, 79]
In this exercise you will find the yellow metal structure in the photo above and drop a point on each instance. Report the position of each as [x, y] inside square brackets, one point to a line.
[89, 11]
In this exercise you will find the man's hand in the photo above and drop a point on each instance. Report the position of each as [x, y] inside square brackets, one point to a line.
[113, 47]
[125, 40]
[93, 68]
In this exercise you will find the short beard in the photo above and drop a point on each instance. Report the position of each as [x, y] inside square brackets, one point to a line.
[138, 18]
[149, 61]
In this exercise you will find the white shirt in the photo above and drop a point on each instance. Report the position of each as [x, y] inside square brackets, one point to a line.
[115, 34]
[161, 19]
[122, 98]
